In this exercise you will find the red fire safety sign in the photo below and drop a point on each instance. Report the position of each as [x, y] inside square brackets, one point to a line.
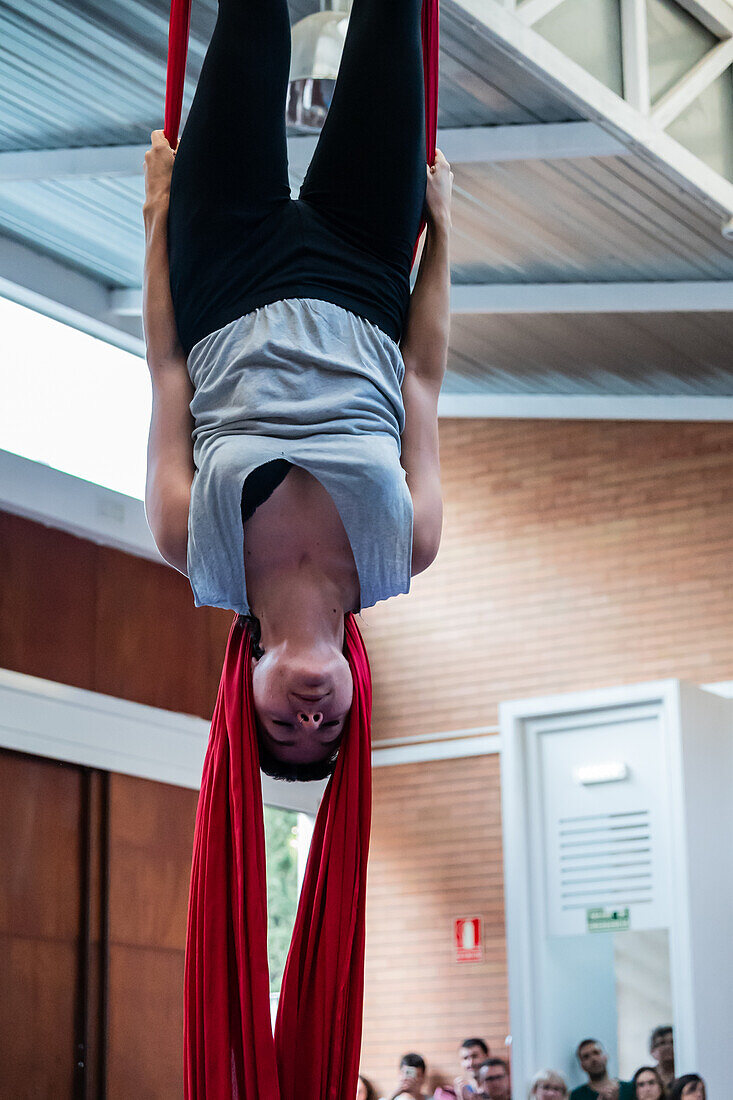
[467, 933]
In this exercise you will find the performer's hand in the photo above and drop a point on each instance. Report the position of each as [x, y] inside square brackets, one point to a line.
[439, 191]
[158, 170]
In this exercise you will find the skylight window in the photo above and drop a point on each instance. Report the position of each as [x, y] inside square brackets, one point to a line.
[72, 401]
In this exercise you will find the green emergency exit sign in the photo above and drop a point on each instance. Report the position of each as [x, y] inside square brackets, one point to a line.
[608, 920]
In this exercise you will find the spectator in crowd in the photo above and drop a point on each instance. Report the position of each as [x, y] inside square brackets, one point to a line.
[661, 1048]
[412, 1079]
[689, 1087]
[548, 1085]
[365, 1090]
[648, 1084]
[493, 1080]
[594, 1061]
[473, 1052]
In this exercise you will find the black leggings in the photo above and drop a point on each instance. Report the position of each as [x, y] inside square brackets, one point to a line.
[236, 239]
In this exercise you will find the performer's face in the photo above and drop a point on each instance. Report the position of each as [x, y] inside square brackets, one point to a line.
[302, 699]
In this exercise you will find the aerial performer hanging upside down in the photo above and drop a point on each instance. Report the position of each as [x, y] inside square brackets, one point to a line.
[293, 476]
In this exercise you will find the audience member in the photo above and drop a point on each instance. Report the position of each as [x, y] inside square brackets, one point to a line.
[661, 1048]
[473, 1052]
[365, 1090]
[648, 1084]
[594, 1061]
[493, 1080]
[689, 1087]
[412, 1079]
[548, 1085]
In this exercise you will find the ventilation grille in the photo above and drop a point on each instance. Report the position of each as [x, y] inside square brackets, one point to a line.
[605, 860]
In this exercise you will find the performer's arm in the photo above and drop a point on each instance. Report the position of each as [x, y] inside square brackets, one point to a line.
[170, 450]
[424, 349]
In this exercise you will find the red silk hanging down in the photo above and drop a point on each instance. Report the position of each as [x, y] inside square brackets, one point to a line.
[230, 1052]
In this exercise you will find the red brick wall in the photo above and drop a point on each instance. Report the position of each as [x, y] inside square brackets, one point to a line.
[436, 855]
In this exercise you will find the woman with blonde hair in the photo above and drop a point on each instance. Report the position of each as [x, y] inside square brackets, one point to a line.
[548, 1085]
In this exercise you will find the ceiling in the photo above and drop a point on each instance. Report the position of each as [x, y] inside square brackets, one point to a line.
[87, 74]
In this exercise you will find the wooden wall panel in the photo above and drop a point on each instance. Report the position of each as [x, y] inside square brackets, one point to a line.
[47, 602]
[435, 856]
[153, 645]
[37, 1019]
[151, 836]
[145, 1057]
[39, 925]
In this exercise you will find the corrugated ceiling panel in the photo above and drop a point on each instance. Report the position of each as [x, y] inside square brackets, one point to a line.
[621, 353]
[94, 225]
[586, 220]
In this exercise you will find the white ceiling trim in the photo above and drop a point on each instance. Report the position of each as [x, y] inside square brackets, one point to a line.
[538, 142]
[476, 406]
[504, 30]
[50, 287]
[454, 748]
[461, 145]
[543, 298]
[71, 504]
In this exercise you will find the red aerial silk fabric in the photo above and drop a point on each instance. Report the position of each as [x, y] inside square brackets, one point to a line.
[178, 49]
[230, 1052]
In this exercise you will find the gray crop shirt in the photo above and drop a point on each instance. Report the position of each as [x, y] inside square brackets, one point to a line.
[310, 382]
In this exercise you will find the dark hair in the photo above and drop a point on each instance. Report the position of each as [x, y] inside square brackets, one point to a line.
[659, 1033]
[475, 1043]
[293, 772]
[371, 1091]
[587, 1043]
[649, 1069]
[675, 1092]
[413, 1060]
[255, 629]
[496, 1062]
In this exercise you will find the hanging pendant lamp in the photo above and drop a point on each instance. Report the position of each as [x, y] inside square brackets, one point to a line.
[317, 47]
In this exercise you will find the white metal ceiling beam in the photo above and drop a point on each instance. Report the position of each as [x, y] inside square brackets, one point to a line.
[542, 141]
[477, 406]
[716, 15]
[635, 51]
[56, 290]
[500, 29]
[461, 145]
[693, 84]
[545, 298]
[94, 162]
